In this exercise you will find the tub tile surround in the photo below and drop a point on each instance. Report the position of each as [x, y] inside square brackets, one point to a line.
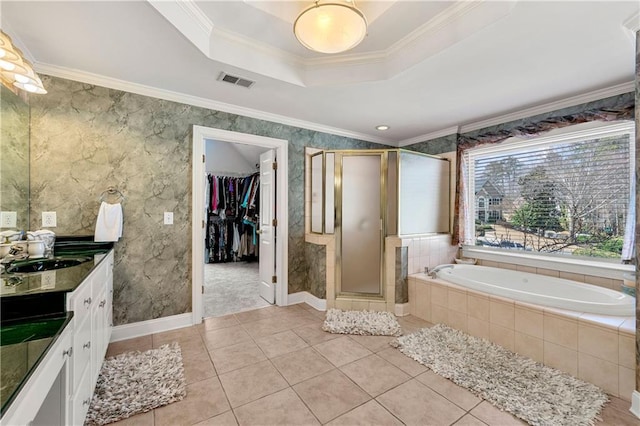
[429, 251]
[599, 349]
[609, 283]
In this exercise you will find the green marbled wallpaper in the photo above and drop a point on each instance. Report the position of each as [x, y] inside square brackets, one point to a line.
[14, 156]
[86, 138]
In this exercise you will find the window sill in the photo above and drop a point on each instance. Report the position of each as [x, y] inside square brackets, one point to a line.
[575, 266]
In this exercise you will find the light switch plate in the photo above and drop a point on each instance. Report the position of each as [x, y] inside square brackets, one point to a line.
[49, 220]
[8, 219]
[168, 218]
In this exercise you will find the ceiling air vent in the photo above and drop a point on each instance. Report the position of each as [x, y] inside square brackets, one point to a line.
[238, 81]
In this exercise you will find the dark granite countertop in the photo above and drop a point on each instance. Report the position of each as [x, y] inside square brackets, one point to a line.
[24, 295]
[33, 312]
[23, 345]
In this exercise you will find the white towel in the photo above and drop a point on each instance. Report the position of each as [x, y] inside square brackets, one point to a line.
[109, 222]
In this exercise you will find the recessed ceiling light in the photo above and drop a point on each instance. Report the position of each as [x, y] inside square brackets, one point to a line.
[382, 127]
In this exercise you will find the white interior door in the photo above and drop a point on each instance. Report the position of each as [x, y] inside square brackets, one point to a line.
[267, 230]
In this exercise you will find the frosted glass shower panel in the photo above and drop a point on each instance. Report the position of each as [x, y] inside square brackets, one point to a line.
[316, 193]
[329, 194]
[424, 194]
[361, 224]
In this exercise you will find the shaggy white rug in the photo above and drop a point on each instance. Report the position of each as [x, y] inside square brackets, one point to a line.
[137, 382]
[366, 323]
[537, 394]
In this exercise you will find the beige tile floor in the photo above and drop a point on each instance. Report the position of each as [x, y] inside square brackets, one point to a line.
[275, 366]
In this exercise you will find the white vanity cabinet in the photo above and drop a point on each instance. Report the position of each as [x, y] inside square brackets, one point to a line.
[91, 303]
[43, 396]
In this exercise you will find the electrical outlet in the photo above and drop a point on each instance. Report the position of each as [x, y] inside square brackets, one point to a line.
[49, 220]
[8, 219]
[48, 280]
[168, 218]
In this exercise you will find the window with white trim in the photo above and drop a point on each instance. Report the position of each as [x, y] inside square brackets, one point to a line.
[567, 194]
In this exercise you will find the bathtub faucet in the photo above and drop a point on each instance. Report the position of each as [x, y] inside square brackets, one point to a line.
[433, 273]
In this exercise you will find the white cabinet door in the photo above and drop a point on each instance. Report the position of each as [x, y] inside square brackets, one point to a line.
[81, 304]
[100, 329]
[92, 304]
[25, 408]
[82, 399]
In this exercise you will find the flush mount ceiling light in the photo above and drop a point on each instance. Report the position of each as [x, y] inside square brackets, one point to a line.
[331, 26]
[382, 127]
[15, 69]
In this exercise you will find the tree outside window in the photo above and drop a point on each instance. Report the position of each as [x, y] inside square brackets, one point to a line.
[569, 197]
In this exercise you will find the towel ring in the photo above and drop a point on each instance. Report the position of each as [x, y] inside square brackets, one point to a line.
[112, 190]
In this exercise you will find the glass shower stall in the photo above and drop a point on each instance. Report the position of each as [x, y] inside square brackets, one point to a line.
[363, 196]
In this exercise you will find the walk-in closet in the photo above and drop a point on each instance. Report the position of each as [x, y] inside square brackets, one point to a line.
[232, 254]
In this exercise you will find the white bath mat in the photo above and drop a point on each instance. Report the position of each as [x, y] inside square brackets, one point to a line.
[137, 382]
[537, 394]
[365, 323]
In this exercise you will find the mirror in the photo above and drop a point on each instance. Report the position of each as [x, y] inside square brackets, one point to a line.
[14, 158]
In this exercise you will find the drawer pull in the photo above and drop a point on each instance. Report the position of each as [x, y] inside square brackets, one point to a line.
[86, 401]
[102, 303]
[87, 345]
[68, 352]
[87, 301]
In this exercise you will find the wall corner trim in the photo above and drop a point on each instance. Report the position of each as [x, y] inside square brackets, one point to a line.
[308, 298]
[143, 328]
[402, 309]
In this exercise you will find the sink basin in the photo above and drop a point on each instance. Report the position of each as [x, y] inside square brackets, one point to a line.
[48, 264]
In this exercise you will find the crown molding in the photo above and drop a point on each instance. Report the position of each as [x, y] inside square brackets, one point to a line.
[188, 19]
[154, 92]
[229, 48]
[258, 46]
[441, 20]
[198, 17]
[429, 136]
[237, 50]
[633, 23]
[437, 23]
[595, 95]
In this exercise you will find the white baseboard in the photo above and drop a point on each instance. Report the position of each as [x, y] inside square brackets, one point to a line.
[635, 403]
[309, 299]
[402, 309]
[143, 328]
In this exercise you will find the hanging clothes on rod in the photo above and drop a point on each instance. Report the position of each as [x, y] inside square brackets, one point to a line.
[232, 218]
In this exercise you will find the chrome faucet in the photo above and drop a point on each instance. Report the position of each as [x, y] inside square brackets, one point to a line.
[433, 273]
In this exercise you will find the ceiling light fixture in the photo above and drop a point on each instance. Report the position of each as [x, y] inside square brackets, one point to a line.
[330, 26]
[382, 127]
[15, 69]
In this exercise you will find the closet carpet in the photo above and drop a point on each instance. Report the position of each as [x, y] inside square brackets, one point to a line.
[230, 288]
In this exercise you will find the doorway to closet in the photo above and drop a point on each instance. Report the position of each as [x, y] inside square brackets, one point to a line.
[233, 210]
[239, 254]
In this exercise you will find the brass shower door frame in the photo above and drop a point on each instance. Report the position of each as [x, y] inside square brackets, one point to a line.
[339, 156]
